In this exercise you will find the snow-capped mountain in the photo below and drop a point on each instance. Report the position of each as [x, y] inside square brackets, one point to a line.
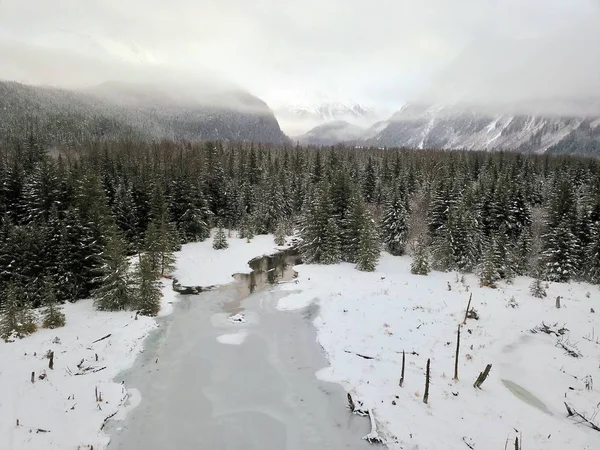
[458, 127]
[300, 111]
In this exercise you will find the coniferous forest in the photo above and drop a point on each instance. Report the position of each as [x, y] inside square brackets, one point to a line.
[104, 219]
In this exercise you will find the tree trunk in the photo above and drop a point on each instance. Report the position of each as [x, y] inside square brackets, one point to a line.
[51, 362]
[468, 307]
[482, 377]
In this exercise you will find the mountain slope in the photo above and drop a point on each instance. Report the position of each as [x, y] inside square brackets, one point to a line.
[422, 126]
[118, 110]
[331, 133]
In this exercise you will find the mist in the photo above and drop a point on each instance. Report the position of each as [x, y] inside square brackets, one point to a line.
[538, 54]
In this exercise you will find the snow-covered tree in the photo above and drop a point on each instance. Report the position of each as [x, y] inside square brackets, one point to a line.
[537, 288]
[332, 253]
[114, 292]
[369, 246]
[394, 227]
[488, 273]
[280, 234]
[15, 316]
[560, 252]
[420, 263]
[52, 314]
[220, 239]
[147, 293]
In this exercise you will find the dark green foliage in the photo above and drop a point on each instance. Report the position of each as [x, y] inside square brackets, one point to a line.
[146, 288]
[220, 239]
[16, 318]
[537, 289]
[369, 245]
[52, 314]
[114, 290]
[420, 263]
[332, 252]
[560, 254]
[394, 227]
[280, 233]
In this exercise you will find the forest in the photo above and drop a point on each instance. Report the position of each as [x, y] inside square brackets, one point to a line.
[103, 219]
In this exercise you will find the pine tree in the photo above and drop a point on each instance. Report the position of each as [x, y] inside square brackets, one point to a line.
[52, 314]
[332, 253]
[560, 252]
[420, 263]
[394, 228]
[15, 316]
[220, 239]
[369, 245]
[280, 234]
[160, 242]
[147, 293]
[489, 274]
[114, 292]
[593, 255]
[537, 288]
[316, 215]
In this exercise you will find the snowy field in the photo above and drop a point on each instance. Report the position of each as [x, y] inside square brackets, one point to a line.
[379, 315]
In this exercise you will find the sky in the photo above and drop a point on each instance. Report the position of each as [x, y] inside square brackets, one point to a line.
[381, 53]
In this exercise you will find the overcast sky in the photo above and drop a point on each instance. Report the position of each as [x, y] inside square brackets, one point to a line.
[378, 52]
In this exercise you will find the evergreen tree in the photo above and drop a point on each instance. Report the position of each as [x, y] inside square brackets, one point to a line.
[593, 255]
[114, 292]
[147, 293]
[560, 253]
[316, 215]
[16, 317]
[280, 234]
[537, 288]
[332, 253]
[369, 245]
[220, 239]
[161, 240]
[420, 263]
[489, 275]
[52, 314]
[394, 227]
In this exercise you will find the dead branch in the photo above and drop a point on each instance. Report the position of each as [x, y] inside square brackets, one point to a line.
[572, 412]
[471, 446]
[107, 419]
[569, 348]
[88, 370]
[102, 338]
[373, 437]
[482, 377]
[358, 354]
[41, 430]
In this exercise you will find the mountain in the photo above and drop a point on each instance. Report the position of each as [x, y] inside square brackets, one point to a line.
[331, 133]
[145, 111]
[460, 127]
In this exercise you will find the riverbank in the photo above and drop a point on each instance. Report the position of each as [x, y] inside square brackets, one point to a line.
[367, 320]
[60, 410]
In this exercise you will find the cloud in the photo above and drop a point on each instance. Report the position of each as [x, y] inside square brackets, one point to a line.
[377, 51]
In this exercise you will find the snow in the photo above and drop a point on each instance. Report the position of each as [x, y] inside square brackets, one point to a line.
[294, 301]
[64, 404]
[198, 264]
[233, 338]
[379, 315]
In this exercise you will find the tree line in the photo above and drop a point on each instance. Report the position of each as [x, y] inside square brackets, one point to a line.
[103, 220]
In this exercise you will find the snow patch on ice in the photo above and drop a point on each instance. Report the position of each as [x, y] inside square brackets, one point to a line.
[233, 338]
[294, 302]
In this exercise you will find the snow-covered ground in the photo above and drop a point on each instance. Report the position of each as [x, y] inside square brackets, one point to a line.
[198, 264]
[379, 315]
[61, 411]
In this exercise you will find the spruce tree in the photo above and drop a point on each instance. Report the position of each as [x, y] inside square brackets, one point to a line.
[220, 239]
[394, 228]
[16, 318]
[560, 252]
[147, 293]
[420, 263]
[160, 241]
[114, 290]
[369, 245]
[52, 314]
[537, 288]
[332, 253]
[489, 275]
[593, 255]
[280, 234]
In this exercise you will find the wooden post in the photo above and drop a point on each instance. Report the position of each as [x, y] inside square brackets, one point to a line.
[558, 302]
[33, 377]
[457, 353]
[468, 307]
[51, 362]
[517, 443]
[426, 396]
[402, 373]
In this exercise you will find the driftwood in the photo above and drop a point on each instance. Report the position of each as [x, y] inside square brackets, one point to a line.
[355, 407]
[457, 353]
[569, 348]
[402, 373]
[41, 430]
[468, 308]
[102, 338]
[107, 419]
[427, 378]
[87, 370]
[550, 329]
[471, 446]
[373, 437]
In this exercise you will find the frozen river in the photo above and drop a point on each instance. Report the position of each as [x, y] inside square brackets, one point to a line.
[205, 392]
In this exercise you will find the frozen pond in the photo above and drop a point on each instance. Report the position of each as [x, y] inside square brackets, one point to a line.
[220, 385]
